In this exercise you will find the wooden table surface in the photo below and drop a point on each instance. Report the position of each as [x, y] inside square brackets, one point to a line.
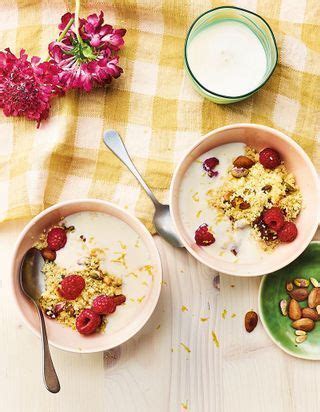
[173, 364]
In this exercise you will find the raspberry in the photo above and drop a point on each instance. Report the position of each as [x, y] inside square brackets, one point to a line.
[203, 237]
[209, 165]
[87, 322]
[56, 238]
[119, 300]
[104, 305]
[265, 232]
[71, 287]
[288, 232]
[274, 218]
[269, 158]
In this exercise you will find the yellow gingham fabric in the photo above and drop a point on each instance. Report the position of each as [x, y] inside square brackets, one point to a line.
[152, 105]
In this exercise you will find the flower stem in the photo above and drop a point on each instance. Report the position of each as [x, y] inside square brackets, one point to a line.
[76, 23]
[65, 29]
[63, 33]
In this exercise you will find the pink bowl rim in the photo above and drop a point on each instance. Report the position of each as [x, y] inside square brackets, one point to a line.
[151, 244]
[291, 143]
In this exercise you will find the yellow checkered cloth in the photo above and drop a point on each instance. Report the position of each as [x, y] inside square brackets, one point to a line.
[153, 105]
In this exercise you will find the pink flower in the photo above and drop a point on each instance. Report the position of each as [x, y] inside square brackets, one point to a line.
[89, 60]
[98, 34]
[27, 87]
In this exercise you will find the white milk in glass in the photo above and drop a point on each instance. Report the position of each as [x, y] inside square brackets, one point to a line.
[227, 58]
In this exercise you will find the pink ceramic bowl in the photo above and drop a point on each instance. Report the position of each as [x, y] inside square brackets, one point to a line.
[296, 161]
[66, 338]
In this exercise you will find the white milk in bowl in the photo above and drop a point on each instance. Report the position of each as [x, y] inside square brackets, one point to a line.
[122, 252]
[233, 243]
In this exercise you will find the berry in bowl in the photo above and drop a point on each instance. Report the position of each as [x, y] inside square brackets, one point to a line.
[244, 200]
[101, 272]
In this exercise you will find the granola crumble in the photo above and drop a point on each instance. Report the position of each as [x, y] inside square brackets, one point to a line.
[244, 199]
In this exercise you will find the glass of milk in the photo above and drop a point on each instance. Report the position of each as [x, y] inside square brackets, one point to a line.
[230, 53]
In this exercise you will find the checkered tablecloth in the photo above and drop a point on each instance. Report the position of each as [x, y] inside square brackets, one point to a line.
[152, 105]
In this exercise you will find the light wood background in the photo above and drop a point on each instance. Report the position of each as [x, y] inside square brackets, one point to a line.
[153, 372]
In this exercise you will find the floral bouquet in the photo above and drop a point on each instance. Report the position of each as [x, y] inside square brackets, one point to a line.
[84, 56]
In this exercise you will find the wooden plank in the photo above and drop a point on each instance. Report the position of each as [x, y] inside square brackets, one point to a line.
[153, 371]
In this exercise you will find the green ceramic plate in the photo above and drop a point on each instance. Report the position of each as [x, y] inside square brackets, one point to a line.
[272, 290]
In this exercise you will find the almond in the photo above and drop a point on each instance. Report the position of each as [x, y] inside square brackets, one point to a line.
[243, 161]
[305, 324]
[48, 254]
[294, 310]
[313, 298]
[251, 320]
[299, 294]
[244, 206]
[310, 313]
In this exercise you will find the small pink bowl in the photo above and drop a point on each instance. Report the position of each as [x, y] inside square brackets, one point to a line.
[66, 338]
[296, 160]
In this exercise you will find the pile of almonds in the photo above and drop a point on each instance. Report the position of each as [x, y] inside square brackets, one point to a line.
[303, 318]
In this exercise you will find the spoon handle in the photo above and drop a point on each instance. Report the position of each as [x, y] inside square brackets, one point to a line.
[114, 142]
[50, 377]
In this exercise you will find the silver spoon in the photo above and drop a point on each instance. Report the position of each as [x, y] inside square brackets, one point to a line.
[162, 218]
[32, 285]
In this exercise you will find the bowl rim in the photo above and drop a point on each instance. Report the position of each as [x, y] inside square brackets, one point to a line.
[210, 92]
[151, 245]
[291, 143]
[289, 352]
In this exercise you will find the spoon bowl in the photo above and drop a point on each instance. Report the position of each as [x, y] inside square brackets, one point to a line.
[31, 283]
[164, 226]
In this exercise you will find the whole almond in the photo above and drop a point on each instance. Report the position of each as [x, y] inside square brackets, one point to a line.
[313, 298]
[48, 254]
[305, 324]
[310, 313]
[244, 206]
[299, 294]
[250, 321]
[243, 161]
[294, 310]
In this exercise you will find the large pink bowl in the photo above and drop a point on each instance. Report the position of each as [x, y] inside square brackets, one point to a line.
[296, 160]
[66, 338]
